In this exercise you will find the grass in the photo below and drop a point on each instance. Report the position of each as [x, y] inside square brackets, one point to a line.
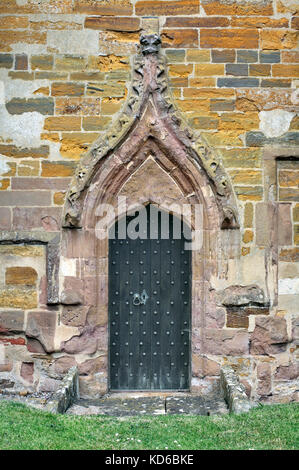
[266, 427]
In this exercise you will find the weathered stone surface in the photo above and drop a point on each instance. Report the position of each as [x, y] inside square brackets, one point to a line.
[288, 372]
[112, 24]
[16, 152]
[226, 342]
[279, 39]
[21, 275]
[13, 297]
[183, 38]
[264, 379]
[34, 346]
[32, 218]
[62, 365]
[41, 326]
[27, 371]
[242, 295]
[74, 315]
[5, 218]
[23, 105]
[70, 297]
[6, 61]
[66, 393]
[94, 7]
[233, 391]
[11, 321]
[229, 38]
[203, 367]
[92, 366]
[25, 198]
[86, 343]
[6, 383]
[67, 89]
[269, 336]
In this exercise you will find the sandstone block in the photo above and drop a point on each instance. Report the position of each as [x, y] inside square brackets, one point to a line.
[67, 89]
[167, 8]
[57, 169]
[30, 105]
[269, 336]
[5, 218]
[229, 38]
[246, 56]
[226, 342]
[21, 275]
[112, 23]
[237, 82]
[236, 69]
[25, 198]
[94, 7]
[269, 57]
[6, 61]
[14, 22]
[21, 62]
[27, 218]
[16, 152]
[279, 39]
[92, 366]
[12, 321]
[18, 298]
[289, 372]
[184, 38]
[27, 371]
[42, 62]
[41, 326]
[74, 315]
[283, 70]
[86, 343]
[62, 365]
[264, 379]
[62, 123]
[16, 36]
[236, 8]
[259, 70]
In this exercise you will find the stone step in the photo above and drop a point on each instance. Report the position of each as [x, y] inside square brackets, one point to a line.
[146, 405]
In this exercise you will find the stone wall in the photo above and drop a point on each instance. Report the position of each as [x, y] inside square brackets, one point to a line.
[66, 68]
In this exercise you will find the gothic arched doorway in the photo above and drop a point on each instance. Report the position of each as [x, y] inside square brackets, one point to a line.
[149, 302]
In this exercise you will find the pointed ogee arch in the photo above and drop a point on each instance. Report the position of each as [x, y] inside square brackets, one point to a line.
[149, 115]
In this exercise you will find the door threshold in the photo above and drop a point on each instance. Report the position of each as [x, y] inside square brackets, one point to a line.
[148, 393]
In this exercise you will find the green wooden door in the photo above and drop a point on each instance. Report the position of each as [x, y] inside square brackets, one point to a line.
[149, 311]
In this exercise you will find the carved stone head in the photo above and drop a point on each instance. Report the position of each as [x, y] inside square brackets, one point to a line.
[150, 43]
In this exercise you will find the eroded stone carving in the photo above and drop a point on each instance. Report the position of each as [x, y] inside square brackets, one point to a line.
[150, 92]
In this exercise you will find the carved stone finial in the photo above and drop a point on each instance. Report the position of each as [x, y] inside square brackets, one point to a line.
[150, 43]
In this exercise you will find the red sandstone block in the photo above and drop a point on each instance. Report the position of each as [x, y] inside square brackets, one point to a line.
[36, 218]
[40, 183]
[25, 198]
[5, 218]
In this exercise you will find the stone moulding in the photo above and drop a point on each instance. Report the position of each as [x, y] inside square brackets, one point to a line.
[234, 392]
[66, 394]
[52, 242]
[150, 97]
